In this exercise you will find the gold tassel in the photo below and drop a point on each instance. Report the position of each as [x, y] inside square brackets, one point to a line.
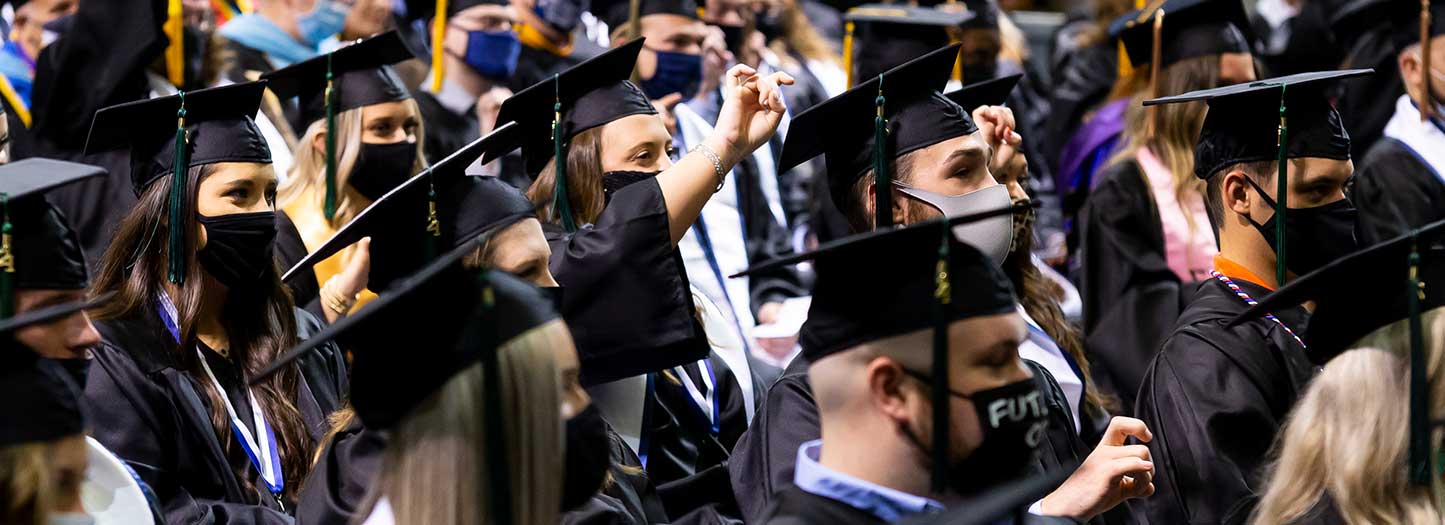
[848, 52]
[1427, 105]
[175, 50]
[1157, 56]
[438, 58]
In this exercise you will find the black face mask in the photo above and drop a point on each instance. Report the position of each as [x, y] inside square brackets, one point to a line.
[238, 246]
[380, 168]
[77, 369]
[555, 294]
[1013, 419]
[588, 458]
[613, 181]
[1317, 236]
[770, 25]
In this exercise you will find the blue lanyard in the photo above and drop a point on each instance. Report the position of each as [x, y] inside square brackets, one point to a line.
[268, 461]
[704, 241]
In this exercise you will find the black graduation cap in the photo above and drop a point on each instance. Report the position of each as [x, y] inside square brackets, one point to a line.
[1404, 22]
[1368, 290]
[439, 207]
[987, 93]
[38, 250]
[879, 37]
[1273, 119]
[38, 403]
[616, 13]
[354, 76]
[891, 282]
[844, 128]
[1184, 29]
[585, 96]
[467, 315]
[168, 135]
[359, 75]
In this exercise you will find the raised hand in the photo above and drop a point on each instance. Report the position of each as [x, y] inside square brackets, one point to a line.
[752, 109]
[1113, 473]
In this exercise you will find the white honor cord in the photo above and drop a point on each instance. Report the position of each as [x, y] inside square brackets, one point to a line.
[703, 401]
[265, 465]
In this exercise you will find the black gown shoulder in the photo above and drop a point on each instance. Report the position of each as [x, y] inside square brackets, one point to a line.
[290, 249]
[155, 417]
[1395, 190]
[1214, 398]
[627, 299]
[1131, 297]
[344, 472]
[795, 506]
[446, 131]
[763, 460]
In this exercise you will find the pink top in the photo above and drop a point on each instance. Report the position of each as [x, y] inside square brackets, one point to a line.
[1189, 252]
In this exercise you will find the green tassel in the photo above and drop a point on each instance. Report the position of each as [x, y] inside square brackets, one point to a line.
[499, 481]
[433, 226]
[329, 206]
[943, 296]
[1281, 192]
[176, 245]
[1420, 428]
[561, 205]
[883, 180]
[7, 264]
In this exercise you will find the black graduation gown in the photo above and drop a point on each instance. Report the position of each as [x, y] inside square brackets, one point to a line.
[290, 249]
[153, 416]
[101, 61]
[344, 471]
[1131, 297]
[1214, 398]
[764, 459]
[1395, 190]
[627, 299]
[795, 506]
[1082, 80]
[535, 65]
[446, 131]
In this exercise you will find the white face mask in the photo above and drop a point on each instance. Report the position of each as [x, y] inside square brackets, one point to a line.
[70, 518]
[992, 236]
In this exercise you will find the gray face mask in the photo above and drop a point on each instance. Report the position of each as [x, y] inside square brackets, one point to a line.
[991, 236]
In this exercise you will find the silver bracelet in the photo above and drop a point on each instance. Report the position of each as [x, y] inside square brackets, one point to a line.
[716, 164]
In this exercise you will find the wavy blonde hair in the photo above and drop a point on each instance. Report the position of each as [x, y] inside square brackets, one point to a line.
[307, 176]
[27, 490]
[1348, 436]
[434, 470]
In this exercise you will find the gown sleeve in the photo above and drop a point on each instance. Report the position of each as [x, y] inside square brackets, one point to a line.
[1394, 190]
[1212, 430]
[627, 299]
[341, 477]
[135, 419]
[762, 462]
[1131, 297]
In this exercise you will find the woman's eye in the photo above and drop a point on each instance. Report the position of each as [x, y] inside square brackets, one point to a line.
[237, 193]
[672, 151]
[642, 155]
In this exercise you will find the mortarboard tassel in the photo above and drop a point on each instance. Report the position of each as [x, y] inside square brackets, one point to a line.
[329, 205]
[1281, 199]
[433, 226]
[176, 246]
[848, 54]
[438, 58]
[561, 205]
[1156, 57]
[883, 180]
[1427, 105]
[943, 296]
[175, 50]
[1420, 427]
[7, 263]
[499, 481]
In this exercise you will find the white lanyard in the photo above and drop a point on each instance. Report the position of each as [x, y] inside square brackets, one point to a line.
[264, 458]
[706, 402]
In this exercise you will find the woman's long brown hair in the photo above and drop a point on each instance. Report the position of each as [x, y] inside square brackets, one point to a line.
[263, 324]
[584, 180]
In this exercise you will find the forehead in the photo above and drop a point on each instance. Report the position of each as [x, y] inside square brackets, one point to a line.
[484, 11]
[1316, 169]
[667, 24]
[632, 130]
[225, 172]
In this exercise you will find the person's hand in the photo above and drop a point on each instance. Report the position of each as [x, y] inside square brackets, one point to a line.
[664, 107]
[488, 105]
[1112, 474]
[768, 312]
[715, 61]
[996, 124]
[752, 109]
[353, 278]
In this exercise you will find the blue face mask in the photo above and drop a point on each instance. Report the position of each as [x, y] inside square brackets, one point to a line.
[326, 19]
[676, 73]
[493, 54]
[562, 15]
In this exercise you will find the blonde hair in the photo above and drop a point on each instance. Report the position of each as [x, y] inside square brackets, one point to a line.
[434, 470]
[1347, 438]
[307, 177]
[27, 490]
[1175, 127]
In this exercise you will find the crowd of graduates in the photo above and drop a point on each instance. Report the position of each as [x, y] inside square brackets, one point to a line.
[789, 262]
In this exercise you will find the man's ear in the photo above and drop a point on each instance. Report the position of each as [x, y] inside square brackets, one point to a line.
[1236, 192]
[1410, 71]
[885, 380]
